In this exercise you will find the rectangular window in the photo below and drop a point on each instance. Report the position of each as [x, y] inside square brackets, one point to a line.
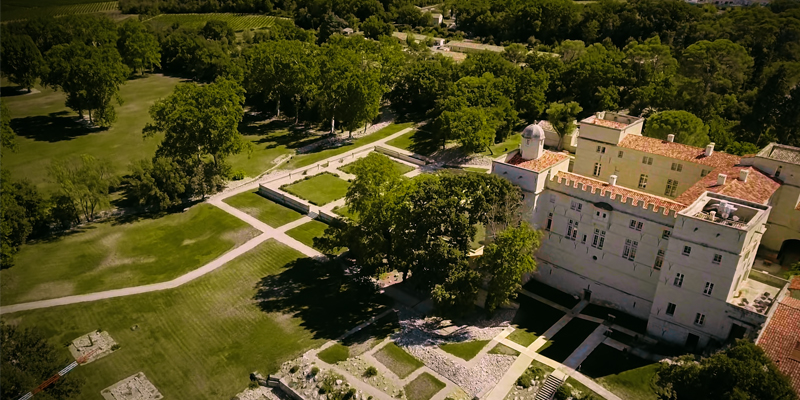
[699, 319]
[709, 287]
[687, 250]
[629, 252]
[647, 160]
[601, 149]
[598, 239]
[576, 206]
[704, 172]
[572, 230]
[659, 260]
[636, 225]
[552, 198]
[671, 308]
[583, 241]
[620, 154]
[677, 167]
[717, 259]
[549, 221]
[642, 181]
[597, 168]
[672, 187]
[665, 234]
[678, 280]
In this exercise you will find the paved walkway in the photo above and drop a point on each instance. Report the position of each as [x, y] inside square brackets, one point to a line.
[587, 347]
[216, 200]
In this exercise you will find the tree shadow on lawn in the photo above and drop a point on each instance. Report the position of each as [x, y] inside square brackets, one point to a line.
[329, 302]
[424, 142]
[54, 127]
[11, 91]
[297, 136]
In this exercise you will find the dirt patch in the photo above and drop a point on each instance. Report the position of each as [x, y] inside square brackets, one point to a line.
[136, 387]
[98, 344]
[187, 242]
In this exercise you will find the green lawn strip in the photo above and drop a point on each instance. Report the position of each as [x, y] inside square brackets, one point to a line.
[404, 141]
[47, 130]
[419, 142]
[198, 341]
[397, 360]
[344, 211]
[503, 350]
[635, 384]
[480, 237]
[306, 233]
[522, 337]
[465, 350]
[478, 170]
[511, 143]
[263, 209]
[423, 387]
[319, 189]
[334, 354]
[310, 158]
[401, 168]
[114, 255]
[582, 388]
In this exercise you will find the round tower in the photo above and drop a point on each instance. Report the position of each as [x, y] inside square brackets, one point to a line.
[532, 146]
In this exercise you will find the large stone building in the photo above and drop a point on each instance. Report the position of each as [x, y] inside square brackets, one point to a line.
[660, 230]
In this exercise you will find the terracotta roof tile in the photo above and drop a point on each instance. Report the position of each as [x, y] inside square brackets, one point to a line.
[547, 160]
[758, 188]
[645, 199]
[679, 151]
[604, 122]
[795, 283]
[780, 337]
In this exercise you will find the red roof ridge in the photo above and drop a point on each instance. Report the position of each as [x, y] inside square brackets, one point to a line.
[547, 160]
[758, 188]
[678, 151]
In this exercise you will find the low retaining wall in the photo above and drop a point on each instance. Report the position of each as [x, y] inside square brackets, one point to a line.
[289, 391]
[326, 217]
[283, 198]
[402, 156]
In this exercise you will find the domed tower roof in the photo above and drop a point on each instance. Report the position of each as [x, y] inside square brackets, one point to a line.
[533, 131]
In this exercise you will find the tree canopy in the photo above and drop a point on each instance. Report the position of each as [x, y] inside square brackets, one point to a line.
[687, 128]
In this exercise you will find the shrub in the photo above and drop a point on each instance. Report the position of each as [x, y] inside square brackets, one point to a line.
[294, 369]
[115, 347]
[370, 372]
[253, 385]
[563, 393]
[529, 375]
[314, 371]
[237, 175]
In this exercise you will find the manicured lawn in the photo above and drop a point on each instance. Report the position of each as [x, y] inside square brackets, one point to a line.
[511, 143]
[198, 341]
[310, 158]
[403, 142]
[568, 339]
[334, 354]
[119, 254]
[397, 360]
[480, 237]
[551, 293]
[535, 318]
[522, 337]
[320, 189]
[504, 350]
[400, 167]
[307, 232]
[270, 140]
[628, 376]
[265, 210]
[465, 350]
[369, 337]
[478, 170]
[420, 142]
[423, 387]
[582, 388]
[344, 211]
[48, 130]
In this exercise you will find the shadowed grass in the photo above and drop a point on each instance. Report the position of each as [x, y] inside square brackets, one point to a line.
[465, 350]
[334, 354]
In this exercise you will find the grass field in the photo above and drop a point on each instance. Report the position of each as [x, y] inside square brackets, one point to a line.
[397, 360]
[629, 377]
[334, 354]
[307, 232]
[522, 337]
[47, 130]
[239, 22]
[344, 211]
[400, 167]
[465, 350]
[503, 350]
[423, 387]
[263, 209]
[199, 341]
[319, 189]
[403, 142]
[16, 9]
[112, 255]
[511, 143]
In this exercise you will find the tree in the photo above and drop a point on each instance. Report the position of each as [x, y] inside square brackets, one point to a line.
[28, 360]
[8, 139]
[459, 291]
[216, 29]
[138, 47]
[421, 83]
[374, 27]
[330, 25]
[90, 76]
[507, 260]
[687, 128]
[515, 52]
[471, 126]
[562, 118]
[199, 121]
[86, 181]
[21, 60]
[742, 371]
[742, 148]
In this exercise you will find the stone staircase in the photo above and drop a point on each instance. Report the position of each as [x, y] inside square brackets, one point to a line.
[548, 389]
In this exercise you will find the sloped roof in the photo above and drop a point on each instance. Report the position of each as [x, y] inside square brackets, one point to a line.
[547, 160]
[604, 188]
[758, 188]
[780, 337]
[679, 151]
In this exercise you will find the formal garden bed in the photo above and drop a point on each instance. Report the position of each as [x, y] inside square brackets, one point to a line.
[371, 375]
[334, 354]
[397, 360]
[529, 381]
[373, 334]
[503, 350]
[423, 387]
[306, 233]
[626, 375]
[318, 189]
[263, 209]
[401, 168]
[465, 350]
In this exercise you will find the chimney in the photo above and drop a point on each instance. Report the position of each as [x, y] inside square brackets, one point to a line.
[670, 138]
[612, 180]
[600, 114]
[710, 149]
[743, 174]
[721, 179]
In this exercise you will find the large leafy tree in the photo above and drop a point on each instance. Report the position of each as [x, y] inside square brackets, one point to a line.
[199, 121]
[421, 83]
[24, 213]
[741, 372]
[28, 360]
[90, 76]
[562, 118]
[687, 128]
[473, 128]
[374, 27]
[138, 47]
[8, 139]
[21, 60]
[350, 87]
[507, 260]
[86, 181]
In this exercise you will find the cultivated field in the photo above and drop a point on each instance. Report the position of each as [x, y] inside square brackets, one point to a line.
[239, 22]
[14, 10]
